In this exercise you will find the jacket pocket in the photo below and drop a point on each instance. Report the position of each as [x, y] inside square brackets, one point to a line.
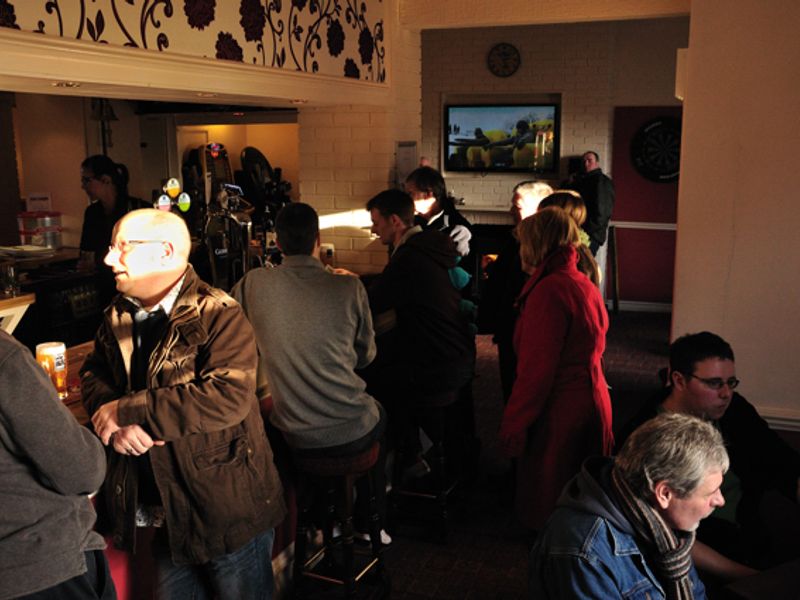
[224, 485]
[225, 454]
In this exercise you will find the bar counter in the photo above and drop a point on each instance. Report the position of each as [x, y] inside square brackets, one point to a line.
[12, 308]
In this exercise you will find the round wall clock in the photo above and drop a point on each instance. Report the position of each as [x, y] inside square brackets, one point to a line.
[656, 149]
[503, 60]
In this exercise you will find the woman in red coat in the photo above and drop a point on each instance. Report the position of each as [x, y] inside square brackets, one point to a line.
[559, 412]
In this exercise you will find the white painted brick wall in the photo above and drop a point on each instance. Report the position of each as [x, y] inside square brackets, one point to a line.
[347, 156]
[347, 153]
[573, 60]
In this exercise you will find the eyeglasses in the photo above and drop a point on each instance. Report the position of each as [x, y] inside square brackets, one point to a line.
[127, 245]
[717, 383]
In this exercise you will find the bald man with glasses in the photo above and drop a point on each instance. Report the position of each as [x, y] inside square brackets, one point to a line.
[170, 388]
[764, 477]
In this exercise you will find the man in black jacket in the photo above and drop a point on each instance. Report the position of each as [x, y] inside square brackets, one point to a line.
[424, 345]
[765, 471]
[597, 191]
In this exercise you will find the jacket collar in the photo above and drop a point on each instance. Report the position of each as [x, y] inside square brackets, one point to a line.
[563, 259]
[301, 261]
[410, 232]
[184, 318]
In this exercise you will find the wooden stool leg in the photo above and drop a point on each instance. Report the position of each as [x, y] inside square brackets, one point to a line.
[329, 520]
[347, 537]
[441, 498]
[374, 516]
[301, 532]
[440, 467]
[397, 482]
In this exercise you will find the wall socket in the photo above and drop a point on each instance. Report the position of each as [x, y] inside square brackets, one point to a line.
[327, 254]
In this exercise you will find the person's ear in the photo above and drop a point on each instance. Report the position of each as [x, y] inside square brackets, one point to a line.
[396, 221]
[679, 380]
[167, 251]
[663, 494]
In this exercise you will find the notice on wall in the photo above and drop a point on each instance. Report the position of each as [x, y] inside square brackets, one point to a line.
[406, 160]
[37, 201]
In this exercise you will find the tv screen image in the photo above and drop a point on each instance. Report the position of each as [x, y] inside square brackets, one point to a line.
[508, 137]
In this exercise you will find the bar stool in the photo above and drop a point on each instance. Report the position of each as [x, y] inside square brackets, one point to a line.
[429, 412]
[331, 475]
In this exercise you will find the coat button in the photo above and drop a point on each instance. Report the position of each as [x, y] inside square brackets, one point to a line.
[117, 539]
[118, 490]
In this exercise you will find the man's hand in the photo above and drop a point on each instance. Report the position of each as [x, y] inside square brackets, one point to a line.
[133, 440]
[106, 421]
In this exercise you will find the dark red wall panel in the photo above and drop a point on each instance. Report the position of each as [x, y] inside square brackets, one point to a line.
[646, 258]
[646, 261]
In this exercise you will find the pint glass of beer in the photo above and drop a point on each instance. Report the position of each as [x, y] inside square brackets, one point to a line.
[53, 358]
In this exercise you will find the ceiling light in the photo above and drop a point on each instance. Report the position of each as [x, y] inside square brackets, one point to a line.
[66, 84]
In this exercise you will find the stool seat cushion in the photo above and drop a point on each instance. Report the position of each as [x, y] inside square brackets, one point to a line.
[437, 400]
[333, 466]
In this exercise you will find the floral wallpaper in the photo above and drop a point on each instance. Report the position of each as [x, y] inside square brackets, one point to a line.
[331, 37]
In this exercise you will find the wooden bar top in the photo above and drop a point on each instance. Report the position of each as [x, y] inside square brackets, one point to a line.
[12, 308]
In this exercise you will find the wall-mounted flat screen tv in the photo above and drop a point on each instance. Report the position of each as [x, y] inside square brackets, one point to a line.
[502, 137]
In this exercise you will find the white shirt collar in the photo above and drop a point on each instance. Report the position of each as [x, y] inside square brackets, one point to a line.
[167, 302]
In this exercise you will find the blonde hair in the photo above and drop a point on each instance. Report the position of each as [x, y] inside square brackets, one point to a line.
[533, 190]
[568, 200]
[543, 233]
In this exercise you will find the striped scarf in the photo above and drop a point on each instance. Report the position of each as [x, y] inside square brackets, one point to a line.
[669, 551]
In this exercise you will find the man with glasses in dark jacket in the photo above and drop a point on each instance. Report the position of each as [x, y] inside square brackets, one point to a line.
[765, 470]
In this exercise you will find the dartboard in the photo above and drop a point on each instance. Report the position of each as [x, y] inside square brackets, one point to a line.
[656, 149]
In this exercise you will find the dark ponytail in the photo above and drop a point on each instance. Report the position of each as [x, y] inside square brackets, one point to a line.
[100, 165]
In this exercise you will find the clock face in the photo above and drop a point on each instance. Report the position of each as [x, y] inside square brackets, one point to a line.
[503, 60]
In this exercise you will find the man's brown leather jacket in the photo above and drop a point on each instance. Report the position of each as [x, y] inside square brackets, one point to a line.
[215, 475]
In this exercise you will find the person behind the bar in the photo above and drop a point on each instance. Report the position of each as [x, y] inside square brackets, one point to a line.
[106, 184]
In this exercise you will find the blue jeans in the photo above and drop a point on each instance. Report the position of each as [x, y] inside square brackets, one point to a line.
[245, 574]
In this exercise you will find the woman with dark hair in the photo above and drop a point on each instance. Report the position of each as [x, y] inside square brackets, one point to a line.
[106, 184]
[435, 208]
[559, 412]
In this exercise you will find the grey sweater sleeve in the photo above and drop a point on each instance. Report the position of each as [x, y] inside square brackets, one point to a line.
[39, 429]
[365, 335]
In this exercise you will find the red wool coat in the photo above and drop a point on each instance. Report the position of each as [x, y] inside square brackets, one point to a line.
[559, 412]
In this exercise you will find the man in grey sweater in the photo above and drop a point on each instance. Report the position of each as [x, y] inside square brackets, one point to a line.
[313, 329]
[48, 466]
